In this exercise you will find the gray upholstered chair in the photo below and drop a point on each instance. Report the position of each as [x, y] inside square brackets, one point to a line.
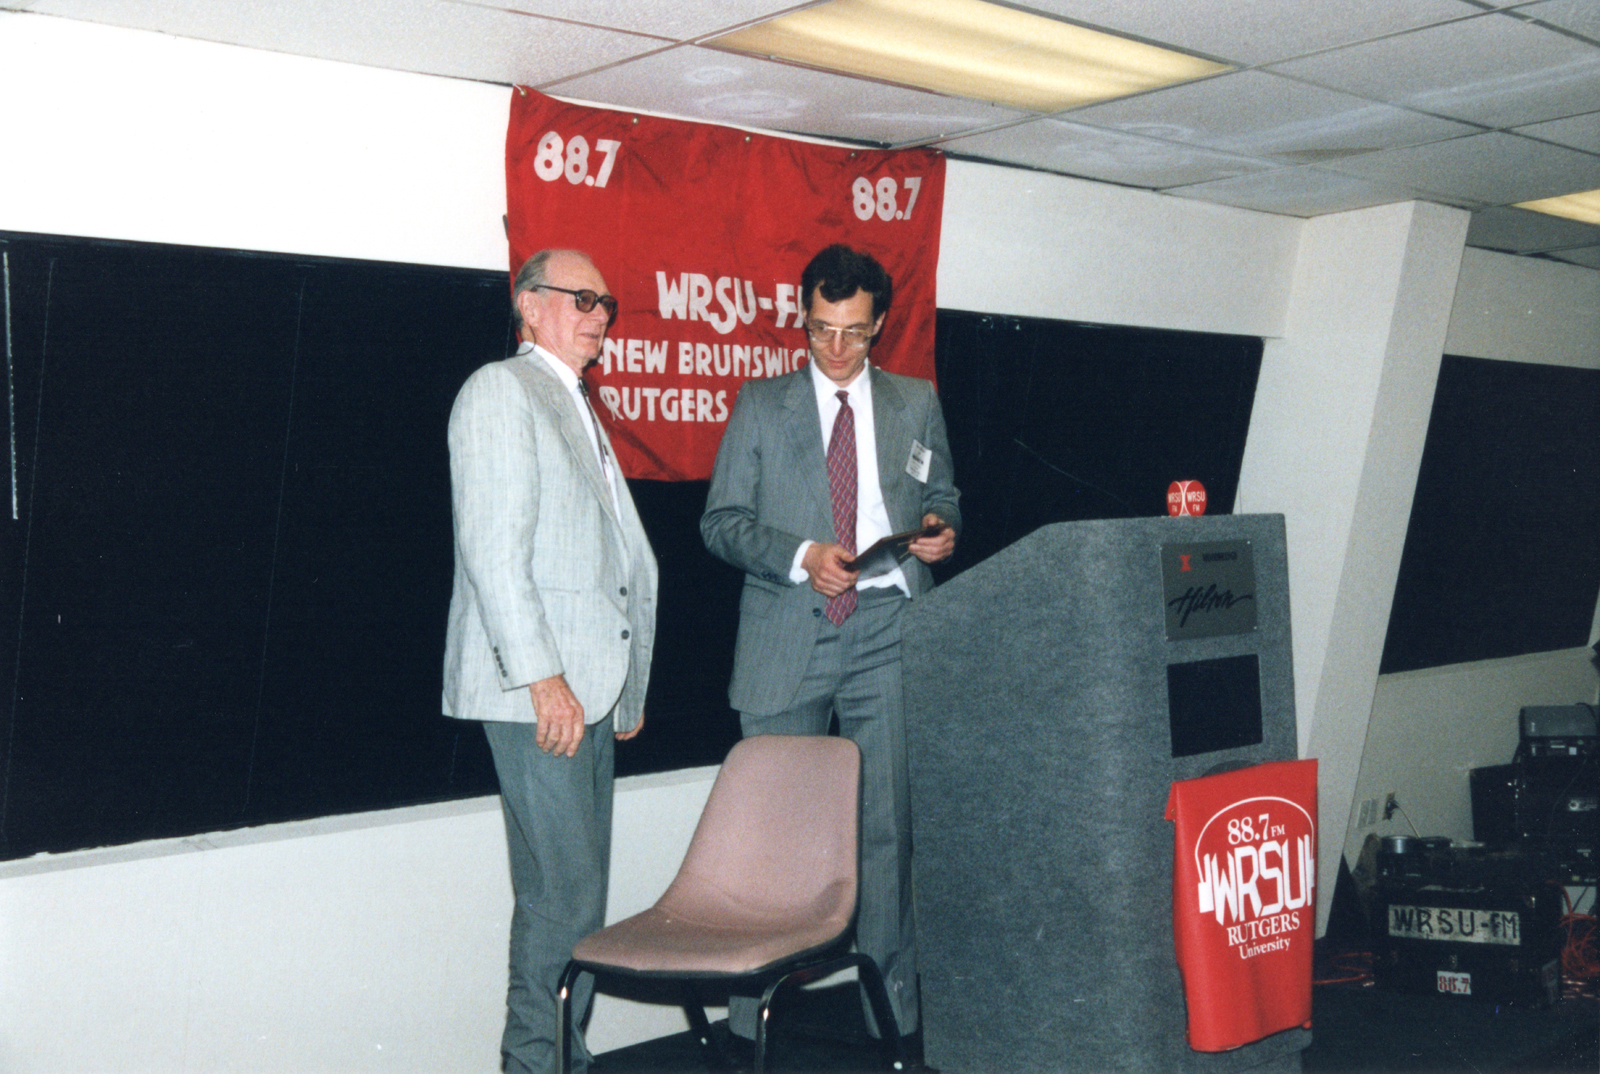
[766, 893]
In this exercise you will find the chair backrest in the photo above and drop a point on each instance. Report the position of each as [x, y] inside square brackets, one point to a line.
[778, 834]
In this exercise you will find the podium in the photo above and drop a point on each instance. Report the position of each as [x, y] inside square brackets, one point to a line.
[1053, 694]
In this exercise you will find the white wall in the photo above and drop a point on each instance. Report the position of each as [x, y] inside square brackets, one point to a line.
[1431, 727]
[1518, 309]
[374, 942]
[1028, 244]
[263, 953]
[128, 135]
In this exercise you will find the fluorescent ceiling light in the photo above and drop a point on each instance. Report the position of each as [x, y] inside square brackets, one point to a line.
[968, 48]
[1584, 206]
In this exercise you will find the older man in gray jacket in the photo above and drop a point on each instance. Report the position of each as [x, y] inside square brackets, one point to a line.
[551, 623]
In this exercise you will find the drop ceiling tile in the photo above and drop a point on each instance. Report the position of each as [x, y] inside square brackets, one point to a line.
[674, 19]
[1259, 32]
[1260, 114]
[1210, 137]
[1492, 169]
[1298, 192]
[433, 37]
[1579, 16]
[1074, 149]
[1496, 70]
[1522, 231]
[1579, 132]
[1587, 256]
[727, 87]
[504, 47]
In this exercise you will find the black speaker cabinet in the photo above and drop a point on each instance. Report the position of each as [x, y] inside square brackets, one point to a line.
[1547, 804]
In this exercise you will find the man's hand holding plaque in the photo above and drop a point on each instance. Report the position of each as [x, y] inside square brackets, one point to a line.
[932, 542]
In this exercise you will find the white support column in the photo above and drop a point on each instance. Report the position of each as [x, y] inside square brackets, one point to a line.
[1335, 440]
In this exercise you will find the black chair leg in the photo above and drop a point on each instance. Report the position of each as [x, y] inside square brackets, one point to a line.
[878, 997]
[564, 1017]
[711, 1052]
[763, 1016]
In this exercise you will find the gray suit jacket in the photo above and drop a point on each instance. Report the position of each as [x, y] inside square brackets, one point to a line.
[548, 579]
[769, 492]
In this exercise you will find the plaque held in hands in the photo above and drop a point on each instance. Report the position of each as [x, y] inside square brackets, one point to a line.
[887, 554]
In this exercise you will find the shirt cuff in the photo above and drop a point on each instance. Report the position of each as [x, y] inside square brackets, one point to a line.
[797, 573]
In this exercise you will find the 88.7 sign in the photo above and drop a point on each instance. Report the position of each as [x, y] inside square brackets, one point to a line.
[883, 199]
[702, 232]
[557, 157]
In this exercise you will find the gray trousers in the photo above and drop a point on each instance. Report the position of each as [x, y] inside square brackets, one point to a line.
[854, 672]
[558, 834]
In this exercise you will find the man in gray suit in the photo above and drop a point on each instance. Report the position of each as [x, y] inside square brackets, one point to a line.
[551, 622]
[814, 467]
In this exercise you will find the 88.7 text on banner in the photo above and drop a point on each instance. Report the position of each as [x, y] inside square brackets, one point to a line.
[883, 200]
[570, 157]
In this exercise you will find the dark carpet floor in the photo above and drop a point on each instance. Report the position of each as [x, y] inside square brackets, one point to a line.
[1356, 1028]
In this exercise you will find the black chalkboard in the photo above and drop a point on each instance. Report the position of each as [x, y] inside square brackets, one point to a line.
[223, 587]
[1054, 421]
[221, 596]
[1502, 553]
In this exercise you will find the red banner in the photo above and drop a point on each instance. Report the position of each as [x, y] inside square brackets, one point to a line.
[1244, 900]
[701, 233]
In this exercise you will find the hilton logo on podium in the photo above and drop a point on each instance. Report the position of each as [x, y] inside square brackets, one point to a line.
[1210, 589]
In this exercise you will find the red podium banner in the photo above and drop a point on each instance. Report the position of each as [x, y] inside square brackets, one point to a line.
[1244, 901]
[701, 233]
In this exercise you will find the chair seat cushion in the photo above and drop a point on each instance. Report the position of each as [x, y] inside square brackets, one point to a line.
[729, 941]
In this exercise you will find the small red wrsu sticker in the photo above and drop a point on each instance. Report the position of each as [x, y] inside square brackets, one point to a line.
[1186, 499]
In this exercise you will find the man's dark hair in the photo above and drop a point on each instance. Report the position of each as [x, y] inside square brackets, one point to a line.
[840, 272]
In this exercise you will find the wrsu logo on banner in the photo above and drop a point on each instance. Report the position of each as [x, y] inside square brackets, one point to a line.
[688, 297]
[1256, 866]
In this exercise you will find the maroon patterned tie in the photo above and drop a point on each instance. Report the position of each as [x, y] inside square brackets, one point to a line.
[842, 490]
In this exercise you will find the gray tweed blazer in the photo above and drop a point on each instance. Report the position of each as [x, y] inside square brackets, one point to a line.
[548, 578]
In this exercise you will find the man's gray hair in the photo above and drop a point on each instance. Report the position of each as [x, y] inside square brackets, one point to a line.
[533, 273]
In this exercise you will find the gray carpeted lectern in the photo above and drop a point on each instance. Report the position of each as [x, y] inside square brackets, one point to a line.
[1053, 694]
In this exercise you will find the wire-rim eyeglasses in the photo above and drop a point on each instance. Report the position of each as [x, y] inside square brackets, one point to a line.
[851, 339]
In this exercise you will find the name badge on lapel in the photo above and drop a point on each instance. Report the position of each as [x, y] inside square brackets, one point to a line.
[920, 462]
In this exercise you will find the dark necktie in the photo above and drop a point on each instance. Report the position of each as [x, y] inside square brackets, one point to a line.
[842, 490]
[599, 437]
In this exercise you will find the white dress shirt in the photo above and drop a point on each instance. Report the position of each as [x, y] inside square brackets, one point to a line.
[585, 413]
[872, 515]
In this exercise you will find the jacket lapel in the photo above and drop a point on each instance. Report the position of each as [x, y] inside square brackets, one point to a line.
[803, 423]
[889, 434]
[549, 390]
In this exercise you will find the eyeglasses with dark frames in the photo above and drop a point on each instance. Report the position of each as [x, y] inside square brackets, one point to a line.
[585, 300]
